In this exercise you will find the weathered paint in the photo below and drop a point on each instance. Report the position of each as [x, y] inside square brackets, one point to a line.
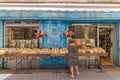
[54, 39]
[59, 16]
[53, 29]
[67, 15]
[1, 39]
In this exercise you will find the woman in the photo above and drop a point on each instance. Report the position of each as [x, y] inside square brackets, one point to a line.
[73, 58]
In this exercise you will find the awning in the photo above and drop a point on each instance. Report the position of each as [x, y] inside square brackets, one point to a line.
[61, 7]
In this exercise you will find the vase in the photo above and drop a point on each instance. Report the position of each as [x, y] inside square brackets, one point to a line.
[40, 41]
[68, 38]
[68, 41]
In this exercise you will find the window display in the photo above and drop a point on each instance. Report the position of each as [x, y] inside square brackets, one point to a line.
[26, 37]
[17, 32]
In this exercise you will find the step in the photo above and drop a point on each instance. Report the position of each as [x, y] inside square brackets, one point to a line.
[108, 65]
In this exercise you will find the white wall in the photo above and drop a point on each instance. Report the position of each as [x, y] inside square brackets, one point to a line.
[59, 0]
[60, 7]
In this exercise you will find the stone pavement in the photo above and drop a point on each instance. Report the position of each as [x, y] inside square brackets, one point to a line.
[60, 74]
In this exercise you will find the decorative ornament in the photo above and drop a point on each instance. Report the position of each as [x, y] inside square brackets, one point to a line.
[68, 33]
[40, 34]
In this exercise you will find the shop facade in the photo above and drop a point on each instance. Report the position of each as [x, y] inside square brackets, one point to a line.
[54, 23]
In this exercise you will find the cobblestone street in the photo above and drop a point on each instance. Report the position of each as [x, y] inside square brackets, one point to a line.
[60, 74]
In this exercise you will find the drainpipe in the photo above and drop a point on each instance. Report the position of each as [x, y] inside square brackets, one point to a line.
[1, 41]
[98, 35]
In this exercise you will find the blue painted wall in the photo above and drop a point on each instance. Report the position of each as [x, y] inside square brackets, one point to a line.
[58, 15]
[1, 39]
[54, 29]
[56, 18]
[118, 44]
[54, 39]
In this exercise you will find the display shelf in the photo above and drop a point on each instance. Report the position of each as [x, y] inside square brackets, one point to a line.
[52, 54]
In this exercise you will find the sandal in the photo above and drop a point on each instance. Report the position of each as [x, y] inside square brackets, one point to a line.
[72, 76]
[78, 73]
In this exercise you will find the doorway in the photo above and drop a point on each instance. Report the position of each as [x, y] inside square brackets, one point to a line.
[107, 41]
[103, 34]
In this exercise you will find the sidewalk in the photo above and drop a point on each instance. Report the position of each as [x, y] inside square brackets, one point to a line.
[60, 74]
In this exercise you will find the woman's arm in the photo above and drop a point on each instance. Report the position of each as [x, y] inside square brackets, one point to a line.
[67, 52]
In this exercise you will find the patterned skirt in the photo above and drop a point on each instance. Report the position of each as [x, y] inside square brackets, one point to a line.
[73, 61]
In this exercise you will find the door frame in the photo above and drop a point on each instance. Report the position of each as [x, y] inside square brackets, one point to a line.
[113, 55]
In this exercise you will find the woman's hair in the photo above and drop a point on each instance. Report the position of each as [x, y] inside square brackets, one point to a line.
[72, 41]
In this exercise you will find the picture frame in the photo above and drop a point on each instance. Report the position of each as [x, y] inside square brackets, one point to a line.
[8, 40]
[8, 30]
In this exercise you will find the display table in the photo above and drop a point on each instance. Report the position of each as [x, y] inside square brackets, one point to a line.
[99, 55]
[52, 54]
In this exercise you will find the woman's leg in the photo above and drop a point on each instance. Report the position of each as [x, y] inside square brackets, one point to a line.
[71, 70]
[77, 71]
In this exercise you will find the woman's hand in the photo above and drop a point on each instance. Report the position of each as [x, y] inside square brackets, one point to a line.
[67, 51]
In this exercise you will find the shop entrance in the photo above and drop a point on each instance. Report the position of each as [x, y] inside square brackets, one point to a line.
[107, 41]
[97, 35]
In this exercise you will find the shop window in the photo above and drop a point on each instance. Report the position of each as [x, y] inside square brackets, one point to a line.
[78, 30]
[82, 32]
[85, 34]
[93, 32]
[20, 36]
[23, 33]
[18, 33]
